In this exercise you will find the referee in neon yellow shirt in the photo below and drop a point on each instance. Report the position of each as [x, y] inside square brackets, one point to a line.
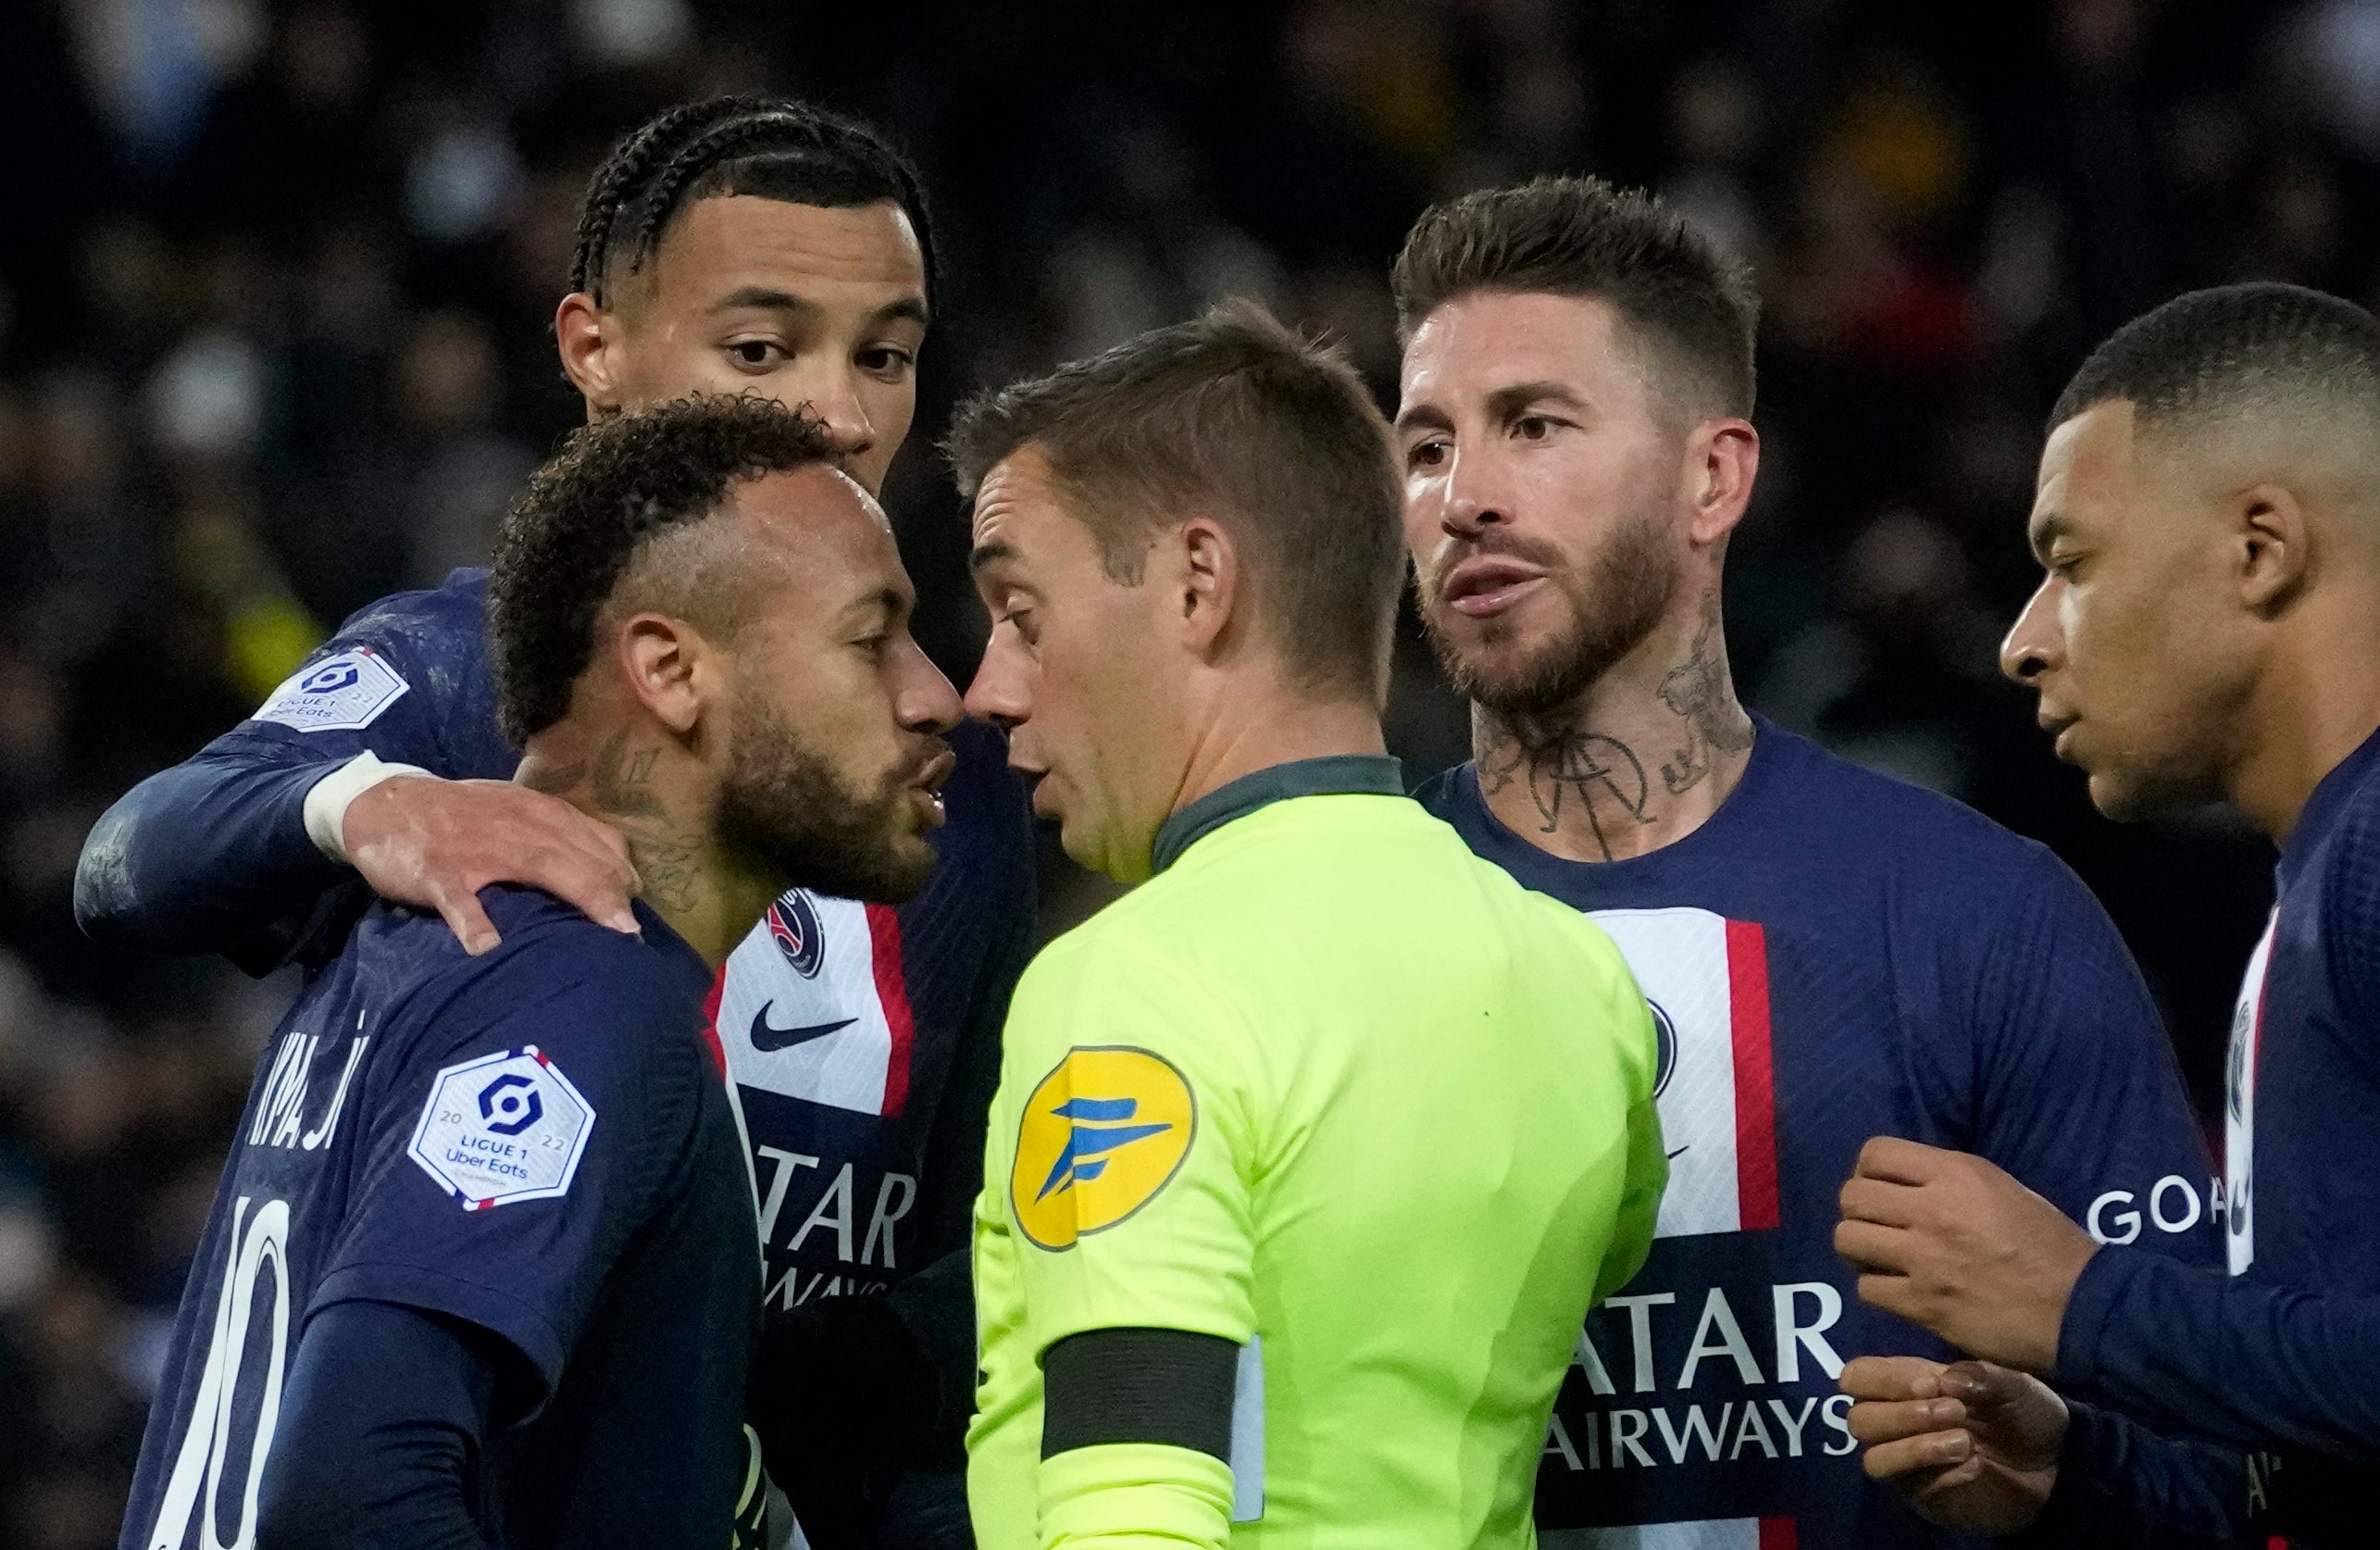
[1310, 1154]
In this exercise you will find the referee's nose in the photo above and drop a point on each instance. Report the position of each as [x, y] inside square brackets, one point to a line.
[1001, 691]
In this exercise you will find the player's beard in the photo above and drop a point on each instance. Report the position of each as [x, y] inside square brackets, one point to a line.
[1616, 602]
[788, 813]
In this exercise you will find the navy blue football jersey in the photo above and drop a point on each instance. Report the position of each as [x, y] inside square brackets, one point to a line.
[1833, 956]
[534, 1142]
[2305, 1054]
[863, 1042]
[2279, 1363]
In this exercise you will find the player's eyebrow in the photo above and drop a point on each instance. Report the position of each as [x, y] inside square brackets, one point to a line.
[760, 298]
[1423, 417]
[1502, 404]
[2046, 530]
[983, 557]
[1506, 402]
[886, 601]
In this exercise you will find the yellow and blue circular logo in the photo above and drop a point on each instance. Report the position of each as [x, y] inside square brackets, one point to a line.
[1100, 1135]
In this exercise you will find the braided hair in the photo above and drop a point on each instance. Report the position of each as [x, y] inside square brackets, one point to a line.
[776, 148]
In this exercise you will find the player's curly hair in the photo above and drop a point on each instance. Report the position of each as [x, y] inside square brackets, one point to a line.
[774, 148]
[617, 486]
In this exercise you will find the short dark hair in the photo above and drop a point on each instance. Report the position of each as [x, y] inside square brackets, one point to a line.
[1235, 415]
[2217, 350]
[1576, 236]
[774, 147]
[618, 485]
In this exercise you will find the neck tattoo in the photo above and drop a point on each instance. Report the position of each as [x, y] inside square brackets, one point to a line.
[1566, 765]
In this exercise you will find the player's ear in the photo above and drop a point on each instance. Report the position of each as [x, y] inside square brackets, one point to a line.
[663, 659]
[1206, 581]
[2273, 544]
[587, 336]
[1722, 460]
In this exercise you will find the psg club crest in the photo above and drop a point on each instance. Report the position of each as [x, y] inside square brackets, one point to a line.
[1665, 1046]
[793, 926]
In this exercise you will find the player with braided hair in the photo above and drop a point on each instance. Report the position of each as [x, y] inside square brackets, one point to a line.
[735, 146]
[745, 243]
[735, 245]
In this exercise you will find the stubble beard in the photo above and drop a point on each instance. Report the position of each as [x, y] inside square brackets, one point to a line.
[786, 812]
[1615, 605]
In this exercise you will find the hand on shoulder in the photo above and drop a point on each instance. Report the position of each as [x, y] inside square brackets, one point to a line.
[434, 844]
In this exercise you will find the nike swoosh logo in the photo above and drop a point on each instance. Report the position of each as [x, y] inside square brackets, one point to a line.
[768, 1039]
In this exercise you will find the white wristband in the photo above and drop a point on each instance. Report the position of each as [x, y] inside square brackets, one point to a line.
[326, 804]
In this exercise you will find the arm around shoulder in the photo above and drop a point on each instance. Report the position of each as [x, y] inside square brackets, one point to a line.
[214, 854]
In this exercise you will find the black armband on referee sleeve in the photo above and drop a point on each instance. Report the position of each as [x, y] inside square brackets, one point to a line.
[1168, 1386]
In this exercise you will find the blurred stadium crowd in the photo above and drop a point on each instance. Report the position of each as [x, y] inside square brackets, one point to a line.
[276, 284]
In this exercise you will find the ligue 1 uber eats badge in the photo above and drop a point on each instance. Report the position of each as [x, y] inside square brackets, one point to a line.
[506, 1127]
[1100, 1135]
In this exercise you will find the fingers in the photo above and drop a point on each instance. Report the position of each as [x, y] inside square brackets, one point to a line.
[1868, 1246]
[1901, 1162]
[1893, 1377]
[592, 879]
[492, 831]
[470, 923]
[1931, 1451]
[1985, 1383]
[1880, 1420]
[1880, 1201]
[2009, 1412]
[617, 843]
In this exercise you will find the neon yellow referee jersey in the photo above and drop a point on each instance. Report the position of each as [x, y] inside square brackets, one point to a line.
[1332, 1090]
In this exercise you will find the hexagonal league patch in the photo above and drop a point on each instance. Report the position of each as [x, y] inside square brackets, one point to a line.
[506, 1127]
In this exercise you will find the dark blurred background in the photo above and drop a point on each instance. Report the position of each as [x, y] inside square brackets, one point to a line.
[276, 285]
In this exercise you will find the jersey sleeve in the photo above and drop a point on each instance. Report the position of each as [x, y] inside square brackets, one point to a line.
[2350, 920]
[2074, 1089]
[1127, 1193]
[539, 1110]
[384, 1418]
[212, 854]
[2124, 1487]
[2227, 1358]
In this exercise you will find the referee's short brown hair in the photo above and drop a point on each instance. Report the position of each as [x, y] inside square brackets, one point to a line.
[1235, 417]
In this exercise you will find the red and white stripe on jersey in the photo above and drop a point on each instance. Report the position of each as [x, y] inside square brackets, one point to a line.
[1714, 1533]
[1709, 978]
[777, 1027]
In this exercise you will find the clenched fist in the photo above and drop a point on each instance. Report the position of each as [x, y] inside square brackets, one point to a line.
[1950, 1242]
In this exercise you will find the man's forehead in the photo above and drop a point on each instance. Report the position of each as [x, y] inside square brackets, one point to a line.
[2091, 449]
[745, 240]
[1010, 488]
[1484, 341]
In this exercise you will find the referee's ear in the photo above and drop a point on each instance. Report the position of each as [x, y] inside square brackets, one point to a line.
[1205, 577]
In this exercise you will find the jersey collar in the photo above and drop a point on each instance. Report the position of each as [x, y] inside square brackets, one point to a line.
[1332, 775]
[2320, 815]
